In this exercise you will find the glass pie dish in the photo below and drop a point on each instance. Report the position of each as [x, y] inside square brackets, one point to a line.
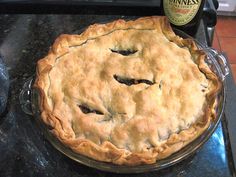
[29, 100]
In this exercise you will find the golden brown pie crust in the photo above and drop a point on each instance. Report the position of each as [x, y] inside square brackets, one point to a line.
[134, 124]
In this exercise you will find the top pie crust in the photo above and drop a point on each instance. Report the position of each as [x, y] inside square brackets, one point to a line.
[90, 109]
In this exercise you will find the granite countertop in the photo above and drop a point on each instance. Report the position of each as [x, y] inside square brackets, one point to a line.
[24, 39]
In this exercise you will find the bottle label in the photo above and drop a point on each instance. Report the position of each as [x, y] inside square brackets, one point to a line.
[181, 12]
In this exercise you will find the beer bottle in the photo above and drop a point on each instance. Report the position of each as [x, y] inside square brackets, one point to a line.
[184, 14]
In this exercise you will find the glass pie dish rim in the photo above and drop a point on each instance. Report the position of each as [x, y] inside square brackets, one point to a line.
[30, 106]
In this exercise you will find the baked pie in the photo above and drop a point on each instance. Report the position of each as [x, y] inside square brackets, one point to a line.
[126, 92]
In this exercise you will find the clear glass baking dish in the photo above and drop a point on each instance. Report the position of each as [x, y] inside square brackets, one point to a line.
[29, 102]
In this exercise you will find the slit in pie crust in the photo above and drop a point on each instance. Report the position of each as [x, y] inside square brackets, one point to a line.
[126, 92]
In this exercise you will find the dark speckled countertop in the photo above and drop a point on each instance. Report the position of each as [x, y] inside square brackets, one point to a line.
[25, 152]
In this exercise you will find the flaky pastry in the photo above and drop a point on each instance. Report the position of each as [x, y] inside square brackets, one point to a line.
[126, 92]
